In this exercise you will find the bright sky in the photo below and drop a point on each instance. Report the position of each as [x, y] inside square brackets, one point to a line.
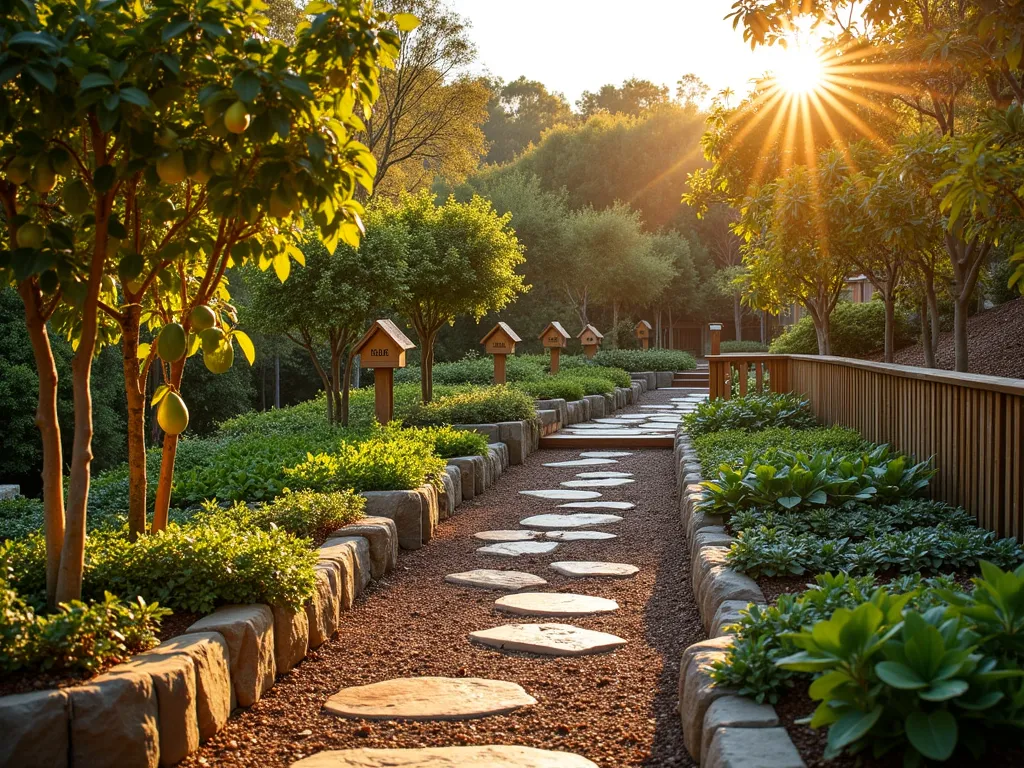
[577, 45]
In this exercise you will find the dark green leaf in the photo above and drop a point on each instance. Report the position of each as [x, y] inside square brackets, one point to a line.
[247, 86]
[933, 735]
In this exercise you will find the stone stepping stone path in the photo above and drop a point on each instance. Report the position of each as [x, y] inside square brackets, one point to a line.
[608, 482]
[605, 454]
[581, 520]
[563, 494]
[581, 463]
[547, 639]
[501, 581]
[580, 535]
[558, 604]
[507, 535]
[602, 475]
[517, 548]
[488, 756]
[429, 698]
[582, 569]
[619, 505]
[604, 432]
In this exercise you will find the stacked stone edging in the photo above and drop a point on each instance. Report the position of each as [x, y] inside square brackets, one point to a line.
[720, 728]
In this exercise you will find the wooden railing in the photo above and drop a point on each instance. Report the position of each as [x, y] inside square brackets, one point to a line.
[972, 425]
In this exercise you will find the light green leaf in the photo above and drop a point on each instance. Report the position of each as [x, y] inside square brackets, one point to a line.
[406, 22]
[246, 344]
[160, 393]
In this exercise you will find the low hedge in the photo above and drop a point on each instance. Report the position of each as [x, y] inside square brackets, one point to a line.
[736, 347]
[478, 405]
[856, 330]
[617, 376]
[554, 387]
[750, 413]
[476, 369]
[636, 360]
[303, 513]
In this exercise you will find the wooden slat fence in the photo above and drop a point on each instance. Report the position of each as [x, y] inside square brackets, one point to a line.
[973, 425]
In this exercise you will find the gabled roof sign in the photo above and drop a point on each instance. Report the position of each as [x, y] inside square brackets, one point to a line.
[557, 326]
[501, 327]
[592, 330]
[392, 331]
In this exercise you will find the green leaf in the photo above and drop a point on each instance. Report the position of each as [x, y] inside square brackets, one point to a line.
[104, 177]
[933, 735]
[247, 85]
[899, 676]
[44, 77]
[174, 29]
[160, 393]
[246, 344]
[135, 96]
[944, 690]
[852, 726]
[143, 352]
[94, 80]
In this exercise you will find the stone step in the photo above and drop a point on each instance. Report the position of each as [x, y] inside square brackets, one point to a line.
[547, 639]
[560, 442]
[488, 756]
[428, 698]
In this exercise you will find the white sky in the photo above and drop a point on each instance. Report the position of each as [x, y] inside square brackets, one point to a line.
[577, 45]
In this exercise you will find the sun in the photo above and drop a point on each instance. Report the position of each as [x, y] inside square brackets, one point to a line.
[800, 71]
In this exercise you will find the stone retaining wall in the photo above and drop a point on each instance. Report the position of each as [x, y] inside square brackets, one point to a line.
[721, 729]
[156, 708]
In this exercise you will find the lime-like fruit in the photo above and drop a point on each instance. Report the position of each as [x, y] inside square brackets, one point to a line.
[220, 359]
[202, 318]
[31, 235]
[19, 170]
[77, 199]
[171, 168]
[237, 118]
[171, 414]
[171, 343]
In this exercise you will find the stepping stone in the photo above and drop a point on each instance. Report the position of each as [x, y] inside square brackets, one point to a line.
[563, 494]
[588, 425]
[666, 418]
[581, 463]
[604, 432]
[602, 475]
[619, 505]
[609, 482]
[517, 548]
[554, 604]
[489, 756]
[580, 535]
[548, 639]
[429, 698]
[617, 422]
[605, 454]
[583, 568]
[502, 581]
[581, 520]
[506, 535]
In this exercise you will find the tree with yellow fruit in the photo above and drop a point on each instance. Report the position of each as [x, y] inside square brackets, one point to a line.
[144, 149]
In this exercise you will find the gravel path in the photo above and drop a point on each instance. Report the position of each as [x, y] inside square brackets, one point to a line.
[617, 709]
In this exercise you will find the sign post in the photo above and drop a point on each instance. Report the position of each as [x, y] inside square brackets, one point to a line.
[554, 337]
[716, 338]
[500, 341]
[590, 338]
[643, 333]
[383, 348]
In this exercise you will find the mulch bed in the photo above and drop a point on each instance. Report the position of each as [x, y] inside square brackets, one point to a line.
[617, 709]
[177, 624]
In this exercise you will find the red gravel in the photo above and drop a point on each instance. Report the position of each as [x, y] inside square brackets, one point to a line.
[618, 709]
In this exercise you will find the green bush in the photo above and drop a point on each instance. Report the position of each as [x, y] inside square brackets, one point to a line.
[750, 413]
[448, 442]
[303, 513]
[484, 405]
[857, 330]
[783, 481]
[78, 638]
[476, 369]
[617, 376]
[730, 446]
[634, 360]
[736, 347]
[554, 387]
[20, 517]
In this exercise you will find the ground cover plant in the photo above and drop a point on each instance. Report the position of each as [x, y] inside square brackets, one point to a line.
[636, 360]
[476, 405]
[477, 369]
[750, 413]
[731, 445]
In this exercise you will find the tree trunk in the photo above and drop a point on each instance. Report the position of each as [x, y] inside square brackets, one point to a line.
[167, 456]
[822, 331]
[336, 385]
[671, 327]
[615, 324]
[737, 315]
[933, 315]
[49, 430]
[427, 338]
[890, 324]
[961, 308]
[135, 389]
[926, 337]
[764, 326]
[345, 388]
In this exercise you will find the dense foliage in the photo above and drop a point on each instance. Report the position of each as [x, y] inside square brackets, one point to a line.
[730, 446]
[636, 360]
[732, 347]
[750, 413]
[477, 369]
[857, 330]
[303, 513]
[475, 406]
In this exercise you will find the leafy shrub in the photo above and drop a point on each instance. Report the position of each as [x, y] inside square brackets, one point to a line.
[476, 369]
[475, 406]
[730, 446]
[554, 387]
[783, 480]
[20, 517]
[448, 442]
[857, 330]
[736, 347]
[924, 681]
[303, 513]
[78, 637]
[617, 376]
[750, 413]
[634, 360]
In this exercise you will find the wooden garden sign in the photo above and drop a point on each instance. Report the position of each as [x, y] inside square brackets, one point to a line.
[554, 337]
[590, 338]
[643, 333]
[500, 341]
[383, 348]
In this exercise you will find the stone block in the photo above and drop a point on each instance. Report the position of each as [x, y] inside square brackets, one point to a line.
[35, 729]
[467, 474]
[703, 561]
[249, 632]
[651, 378]
[430, 511]
[291, 637]
[481, 474]
[215, 697]
[445, 497]
[700, 520]
[8, 492]
[490, 431]
[494, 464]
[575, 412]
[514, 434]
[596, 406]
[455, 474]
[734, 712]
[713, 536]
[557, 404]
[322, 608]
[609, 404]
[728, 613]
[352, 556]
[114, 722]
[173, 676]
[722, 583]
[752, 748]
[548, 417]
[664, 378]
[692, 478]
[698, 692]
[404, 507]
[536, 427]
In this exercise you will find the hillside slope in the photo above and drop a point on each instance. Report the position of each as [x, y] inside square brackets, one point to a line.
[996, 345]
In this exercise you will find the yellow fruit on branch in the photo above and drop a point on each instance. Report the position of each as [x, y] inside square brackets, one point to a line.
[220, 359]
[202, 318]
[43, 178]
[171, 343]
[171, 168]
[237, 118]
[211, 338]
[171, 414]
[19, 170]
[77, 199]
[31, 235]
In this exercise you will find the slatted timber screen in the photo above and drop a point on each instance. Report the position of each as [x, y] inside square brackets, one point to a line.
[973, 425]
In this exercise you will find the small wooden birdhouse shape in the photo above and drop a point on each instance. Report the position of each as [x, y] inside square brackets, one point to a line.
[500, 341]
[643, 333]
[383, 348]
[590, 338]
[554, 337]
